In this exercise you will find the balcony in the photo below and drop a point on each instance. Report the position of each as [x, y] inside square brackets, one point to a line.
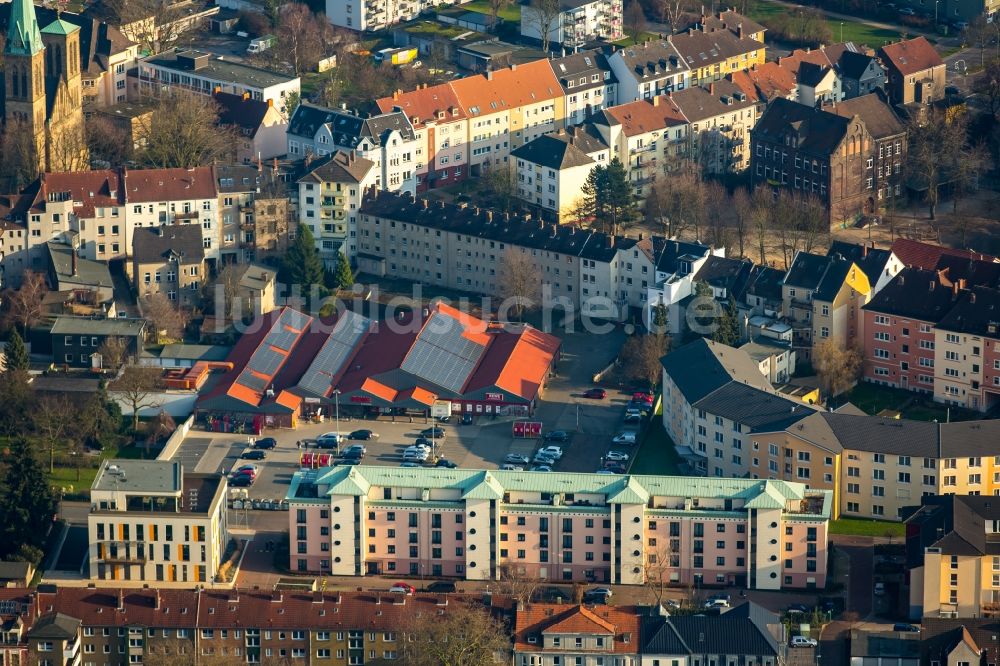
[991, 609]
[188, 216]
[125, 552]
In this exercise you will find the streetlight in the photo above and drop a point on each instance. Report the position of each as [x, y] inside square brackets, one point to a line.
[841, 32]
[336, 402]
[936, 3]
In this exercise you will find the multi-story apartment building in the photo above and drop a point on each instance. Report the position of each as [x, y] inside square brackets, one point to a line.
[720, 117]
[916, 72]
[386, 139]
[577, 23]
[259, 126]
[822, 300]
[967, 350]
[441, 129]
[884, 167]
[588, 84]
[57, 635]
[551, 635]
[205, 74]
[13, 251]
[169, 260]
[365, 15]
[712, 53]
[254, 218]
[554, 526]
[552, 170]
[151, 521]
[330, 195]
[812, 152]
[648, 70]
[75, 340]
[953, 557]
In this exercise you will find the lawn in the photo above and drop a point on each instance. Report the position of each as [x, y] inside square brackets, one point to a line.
[656, 454]
[852, 31]
[862, 527]
[65, 477]
[872, 398]
[511, 13]
[628, 41]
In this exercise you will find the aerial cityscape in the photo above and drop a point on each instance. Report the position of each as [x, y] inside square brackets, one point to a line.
[531, 332]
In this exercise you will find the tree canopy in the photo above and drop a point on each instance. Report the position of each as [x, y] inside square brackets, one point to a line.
[15, 353]
[27, 504]
[607, 197]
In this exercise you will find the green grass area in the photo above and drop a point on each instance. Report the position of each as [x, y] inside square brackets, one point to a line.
[656, 453]
[862, 527]
[853, 31]
[65, 477]
[512, 12]
[628, 41]
[872, 398]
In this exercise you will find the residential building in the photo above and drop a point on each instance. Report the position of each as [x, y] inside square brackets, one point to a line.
[387, 140]
[747, 633]
[817, 85]
[259, 127]
[764, 291]
[152, 521]
[810, 151]
[58, 635]
[552, 170]
[884, 647]
[766, 82]
[254, 213]
[958, 11]
[370, 15]
[13, 246]
[128, 118]
[775, 361]
[712, 53]
[967, 350]
[879, 265]
[929, 256]
[556, 526]
[860, 74]
[956, 641]
[588, 84]
[736, 23]
[579, 22]
[78, 278]
[257, 290]
[202, 73]
[441, 129]
[647, 70]
[721, 117]
[42, 92]
[75, 340]
[953, 557]
[330, 196]
[822, 300]
[675, 267]
[916, 73]
[884, 166]
[169, 260]
[550, 634]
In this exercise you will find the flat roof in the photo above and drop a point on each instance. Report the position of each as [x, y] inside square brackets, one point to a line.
[221, 70]
[139, 476]
[86, 326]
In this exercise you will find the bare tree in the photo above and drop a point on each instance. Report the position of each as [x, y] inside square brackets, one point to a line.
[153, 24]
[760, 217]
[302, 36]
[24, 305]
[935, 149]
[20, 162]
[516, 583]
[107, 141]
[657, 568]
[222, 295]
[161, 428]
[518, 281]
[543, 16]
[640, 358]
[838, 368]
[464, 635]
[742, 218]
[167, 319]
[635, 21]
[496, 6]
[500, 184]
[54, 424]
[183, 131]
[114, 352]
[137, 387]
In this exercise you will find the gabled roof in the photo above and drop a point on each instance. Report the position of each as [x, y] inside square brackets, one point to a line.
[339, 167]
[927, 255]
[883, 435]
[425, 105]
[765, 81]
[242, 111]
[536, 620]
[812, 130]
[794, 60]
[701, 103]
[573, 68]
[743, 630]
[811, 74]
[854, 64]
[702, 49]
[879, 118]
[914, 293]
[727, 273]
[91, 189]
[766, 282]
[976, 311]
[759, 409]
[643, 116]
[955, 524]
[560, 150]
[89, 272]
[728, 20]
[347, 129]
[154, 245]
[702, 367]
[652, 60]
[57, 626]
[504, 89]
[151, 185]
[871, 260]
[911, 56]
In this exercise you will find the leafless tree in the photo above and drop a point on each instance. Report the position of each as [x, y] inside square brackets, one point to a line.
[640, 357]
[465, 634]
[838, 368]
[222, 294]
[516, 583]
[302, 36]
[183, 131]
[935, 149]
[742, 218]
[114, 352]
[153, 24]
[543, 18]
[20, 162]
[107, 141]
[970, 164]
[24, 305]
[161, 428]
[760, 217]
[500, 184]
[518, 281]
[681, 200]
[635, 20]
[168, 320]
[496, 6]
[54, 425]
[137, 387]
[657, 568]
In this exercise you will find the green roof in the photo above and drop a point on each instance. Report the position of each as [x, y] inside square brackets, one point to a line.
[60, 27]
[631, 492]
[23, 37]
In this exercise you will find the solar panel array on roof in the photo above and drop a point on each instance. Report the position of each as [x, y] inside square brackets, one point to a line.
[295, 319]
[442, 355]
[247, 379]
[331, 357]
[265, 361]
[281, 337]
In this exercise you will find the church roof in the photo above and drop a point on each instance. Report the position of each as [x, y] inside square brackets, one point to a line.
[23, 37]
[60, 27]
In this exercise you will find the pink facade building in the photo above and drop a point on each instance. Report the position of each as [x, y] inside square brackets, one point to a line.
[474, 524]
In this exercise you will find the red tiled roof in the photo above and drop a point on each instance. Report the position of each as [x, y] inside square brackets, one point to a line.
[425, 104]
[144, 185]
[90, 189]
[504, 89]
[516, 362]
[647, 115]
[765, 82]
[927, 256]
[911, 56]
[793, 61]
[538, 619]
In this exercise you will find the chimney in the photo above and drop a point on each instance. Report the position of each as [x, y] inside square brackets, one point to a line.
[711, 88]
[489, 75]
[156, 598]
[246, 96]
[160, 231]
[121, 599]
[864, 250]
[961, 283]
[270, 102]
[425, 203]
[739, 30]
[72, 262]
[513, 66]
[489, 216]
[932, 286]
[954, 287]
[611, 241]
[656, 100]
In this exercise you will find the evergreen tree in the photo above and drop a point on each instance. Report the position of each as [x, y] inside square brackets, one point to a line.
[100, 420]
[727, 329]
[15, 353]
[301, 264]
[27, 503]
[342, 276]
[607, 197]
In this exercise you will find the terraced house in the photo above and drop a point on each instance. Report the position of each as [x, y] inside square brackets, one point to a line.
[358, 521]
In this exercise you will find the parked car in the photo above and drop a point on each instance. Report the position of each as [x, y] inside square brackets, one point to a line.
[640, 406]
[595, 394]
[507, 467]
[435, 432]
[605, 592]
[444, 419]
[410, 463]
[444, 462]
[442, 587]
[902, 626]
[423, 441]
[516, 458]
[249, 467]
[551, 451]
[265, 443]
[633, 416]
[605, 471]
[348, 461]
[363, 435]
[640, 396]
[616, 456]
[254, 454]
[556, 436]
[541, 459]
[402, 588]
[627, 437]
[802, 641]
[466, 419]
[416, 455]
[907, 11]
[542, 468]
[355, 450]
[329, 440]
[241, 481]
[615, 466]
[249, 473]
[716, 603]
[797, 609]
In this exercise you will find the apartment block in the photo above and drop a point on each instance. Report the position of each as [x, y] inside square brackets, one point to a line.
[916, 73]
[367, 15]
[588, 84]
[469, 524]
[712, 53]
[720, 116]
[578, 22]
[254, 213]
[151, 521]
[953, 557]
[330, 195]
[169, 260]
[551, 635]
[967, 351]
[647, 70]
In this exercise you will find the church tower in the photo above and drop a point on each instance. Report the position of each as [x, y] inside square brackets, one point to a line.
[24, 70]
[65, 143]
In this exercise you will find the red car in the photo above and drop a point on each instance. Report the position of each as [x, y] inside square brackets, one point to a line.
[246, 472]
[596, 394]
[642, 397]
[402, 588]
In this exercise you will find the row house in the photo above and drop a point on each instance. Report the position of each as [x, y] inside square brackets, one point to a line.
[576, 24]
[169, 260]
[551, 635]
[258, 126]
[472, 524]
[588, 84]
[255, 219]
[967, 350]
[13, 253]
[330, 195]
[713, 53]
[721, 117]
[676, 263]
[648, 70]
[388, 140]
[369, 15]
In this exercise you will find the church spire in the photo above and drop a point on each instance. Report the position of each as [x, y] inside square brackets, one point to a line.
[23, 36]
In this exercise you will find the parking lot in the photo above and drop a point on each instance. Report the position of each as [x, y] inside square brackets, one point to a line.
[590, 423]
